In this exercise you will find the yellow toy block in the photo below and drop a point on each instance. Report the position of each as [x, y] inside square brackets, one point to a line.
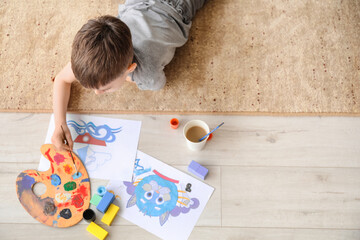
[110, 214]
[97, 231]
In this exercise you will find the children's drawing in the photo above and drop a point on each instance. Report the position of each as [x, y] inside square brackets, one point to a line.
[138, 169]
[106, 146]
[89, 133]
[92, 160]
[157, 195]
[157, 200]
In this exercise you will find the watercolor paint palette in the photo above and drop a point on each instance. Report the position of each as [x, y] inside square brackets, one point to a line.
[67, 193]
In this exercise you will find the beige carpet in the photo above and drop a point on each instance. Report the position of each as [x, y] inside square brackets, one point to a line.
[280, 57]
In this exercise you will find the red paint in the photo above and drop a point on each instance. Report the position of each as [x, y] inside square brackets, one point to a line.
[66, 204]
[82, 190]
[48, 177]
[164, 177]
[77, 201]
[80, 210]
[88, 139]
[59, 158]
[50, 159]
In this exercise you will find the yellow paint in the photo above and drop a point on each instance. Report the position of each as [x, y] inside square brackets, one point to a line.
[97, 231]
[116, 196]
[184, 198]
[110, 214]
[181, 203]
[137, 182]
[62, 197]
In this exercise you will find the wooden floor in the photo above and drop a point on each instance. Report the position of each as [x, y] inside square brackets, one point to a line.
[275, 177]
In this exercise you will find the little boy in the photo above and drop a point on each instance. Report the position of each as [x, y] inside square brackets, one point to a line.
[135, 47]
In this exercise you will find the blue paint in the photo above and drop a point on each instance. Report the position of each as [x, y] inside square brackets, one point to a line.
[82, 152]
[138, 169]
[151, 201]
[26, 182]
[55, 180]
[76, 175]
[85, 180]
[140, 172]
[155, 196]
[95, 131]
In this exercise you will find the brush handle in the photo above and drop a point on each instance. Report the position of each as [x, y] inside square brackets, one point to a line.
[211, 132]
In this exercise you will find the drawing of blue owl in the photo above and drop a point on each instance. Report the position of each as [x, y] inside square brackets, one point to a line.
[155, 196]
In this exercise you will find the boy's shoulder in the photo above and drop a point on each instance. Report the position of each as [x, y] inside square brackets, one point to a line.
[149, 74]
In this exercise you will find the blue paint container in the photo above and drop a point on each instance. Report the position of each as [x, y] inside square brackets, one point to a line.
[101, 190]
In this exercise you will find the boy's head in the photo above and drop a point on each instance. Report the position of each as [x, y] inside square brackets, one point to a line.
[102, 54]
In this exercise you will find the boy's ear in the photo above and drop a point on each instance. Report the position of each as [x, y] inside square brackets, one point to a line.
[132, 67]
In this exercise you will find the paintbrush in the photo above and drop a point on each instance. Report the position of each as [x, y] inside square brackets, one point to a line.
[211, 132]
[67, 143]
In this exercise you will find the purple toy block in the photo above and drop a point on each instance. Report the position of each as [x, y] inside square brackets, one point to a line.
[193, 166]
[202, 172]
[192, 171]
[197, 169]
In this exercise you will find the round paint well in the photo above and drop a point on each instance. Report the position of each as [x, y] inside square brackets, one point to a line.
[89, 215]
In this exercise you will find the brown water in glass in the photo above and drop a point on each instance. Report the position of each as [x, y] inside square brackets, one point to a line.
[195, 133]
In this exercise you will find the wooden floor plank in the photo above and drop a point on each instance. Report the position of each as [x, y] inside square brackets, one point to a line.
[291, 197]
[242, 140]
[31, 231]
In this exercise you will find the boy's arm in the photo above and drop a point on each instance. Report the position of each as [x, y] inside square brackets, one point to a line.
[61, 95]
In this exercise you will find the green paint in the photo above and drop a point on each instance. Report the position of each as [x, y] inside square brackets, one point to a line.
[69, 186]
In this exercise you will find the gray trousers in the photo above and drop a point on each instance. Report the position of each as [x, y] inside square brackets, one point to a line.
[160, 28]
[186, 8]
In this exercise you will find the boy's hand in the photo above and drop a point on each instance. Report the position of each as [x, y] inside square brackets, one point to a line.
[61, 141]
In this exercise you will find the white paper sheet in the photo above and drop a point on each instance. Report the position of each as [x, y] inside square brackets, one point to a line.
[160, 199]
[106, 146]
